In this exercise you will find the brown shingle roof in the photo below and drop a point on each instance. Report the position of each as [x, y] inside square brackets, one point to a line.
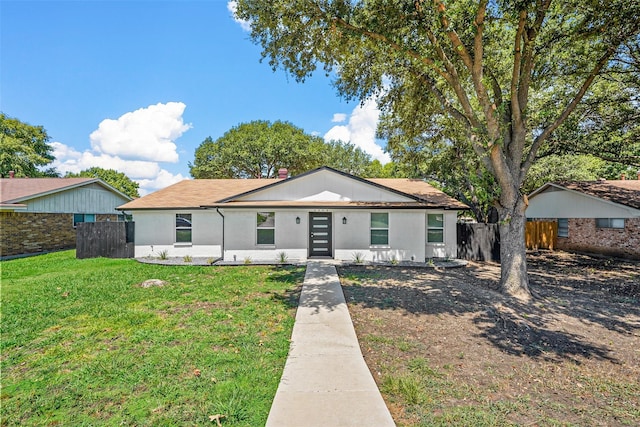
[195, 193]
[214, 192]
[623, 192]
[422, 190]
[14, 190]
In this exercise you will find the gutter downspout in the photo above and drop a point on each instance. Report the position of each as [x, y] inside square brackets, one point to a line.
[222, 246]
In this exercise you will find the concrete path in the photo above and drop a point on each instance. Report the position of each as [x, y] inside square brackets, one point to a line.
[325, 380]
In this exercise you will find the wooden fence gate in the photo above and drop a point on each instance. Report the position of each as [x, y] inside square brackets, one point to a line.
[541, 235]
[105, 239]
[479, 242]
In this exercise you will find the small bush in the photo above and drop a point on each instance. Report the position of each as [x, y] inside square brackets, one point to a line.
[164, 254]
[358, 257]
[248, 260]
[394, 260]
[187, 258]
[283, 257]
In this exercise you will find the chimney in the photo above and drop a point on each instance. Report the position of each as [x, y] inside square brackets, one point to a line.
[12, 174]
[283, 173]
[622, 177]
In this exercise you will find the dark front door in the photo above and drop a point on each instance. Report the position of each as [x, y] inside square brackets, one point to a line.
[320, 244]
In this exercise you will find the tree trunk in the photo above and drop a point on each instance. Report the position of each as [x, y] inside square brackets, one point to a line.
[514, 280]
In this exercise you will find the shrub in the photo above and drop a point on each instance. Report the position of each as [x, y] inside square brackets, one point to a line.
[283, 257]
[358, 257]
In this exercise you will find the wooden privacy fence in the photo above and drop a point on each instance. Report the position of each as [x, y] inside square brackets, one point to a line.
[105, 239]
[541, 235]
[478, 242]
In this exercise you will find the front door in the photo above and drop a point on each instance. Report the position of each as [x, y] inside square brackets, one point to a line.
[320, 244]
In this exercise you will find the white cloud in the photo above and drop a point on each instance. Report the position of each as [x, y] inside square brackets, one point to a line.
[232, 6]
[147, 133]
[134, 144]
[163, 179]
[361, 130]
[149, 175]
[339, 118]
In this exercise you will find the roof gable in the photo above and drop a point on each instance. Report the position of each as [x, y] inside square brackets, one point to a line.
[324, 185]
[621, 192]
[18, 190]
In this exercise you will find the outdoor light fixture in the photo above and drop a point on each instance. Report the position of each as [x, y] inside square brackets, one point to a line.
[297, 220]
[344, 219]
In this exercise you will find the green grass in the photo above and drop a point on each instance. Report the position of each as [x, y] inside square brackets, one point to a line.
[84, 344]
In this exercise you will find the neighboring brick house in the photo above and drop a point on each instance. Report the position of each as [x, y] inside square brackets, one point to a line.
[40, 214]
[593, 216]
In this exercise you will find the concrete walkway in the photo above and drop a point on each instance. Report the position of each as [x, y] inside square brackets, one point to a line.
[325, 380]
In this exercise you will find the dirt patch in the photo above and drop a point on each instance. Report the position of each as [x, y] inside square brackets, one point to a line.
[571, 356]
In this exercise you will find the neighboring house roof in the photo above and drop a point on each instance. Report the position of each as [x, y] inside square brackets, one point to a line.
[15, 191]
[622, 192]
[230, 193]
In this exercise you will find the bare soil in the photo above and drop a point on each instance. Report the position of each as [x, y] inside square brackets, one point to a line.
[570, 357]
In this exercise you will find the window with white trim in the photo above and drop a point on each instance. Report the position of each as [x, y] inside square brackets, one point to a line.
[610, 223]
[78, 218]
[183, 228]
[379, 228]
[266, 228]
[435, 228]
[563, 227]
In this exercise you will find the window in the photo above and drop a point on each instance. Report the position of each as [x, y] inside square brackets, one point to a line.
[78, 218]
[379, 229]
[266, 226]
[183, 228]
[610, 222]
[563, 227]
[435, 228]
[125, 217]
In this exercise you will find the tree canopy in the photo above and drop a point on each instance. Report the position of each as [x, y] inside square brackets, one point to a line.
[23, 149]
[117, 180]
[258, 149]
[254, 150]
[506, 75]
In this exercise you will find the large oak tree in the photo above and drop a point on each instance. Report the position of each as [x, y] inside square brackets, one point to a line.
[258, 149]
[484, 65]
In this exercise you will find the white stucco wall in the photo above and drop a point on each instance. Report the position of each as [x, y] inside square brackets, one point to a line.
[156, 232]
[449, 248]
[569, 204]
[406, 236]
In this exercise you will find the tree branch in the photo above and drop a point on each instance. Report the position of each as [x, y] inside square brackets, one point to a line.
[537, 142]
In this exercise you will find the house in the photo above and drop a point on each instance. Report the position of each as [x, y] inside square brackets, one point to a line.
[323, 213]
[593, 216]
[40, 214]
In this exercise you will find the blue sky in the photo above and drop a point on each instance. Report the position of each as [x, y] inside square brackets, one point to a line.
[137, 85]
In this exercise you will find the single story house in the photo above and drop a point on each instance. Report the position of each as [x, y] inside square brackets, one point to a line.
[323, 213]
[40, 214]
[593, 216]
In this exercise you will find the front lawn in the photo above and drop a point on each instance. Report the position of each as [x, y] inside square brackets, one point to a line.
[84, 344]
[446, 349]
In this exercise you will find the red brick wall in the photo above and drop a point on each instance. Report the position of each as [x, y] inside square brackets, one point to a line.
[27, 233]
[584, 236]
